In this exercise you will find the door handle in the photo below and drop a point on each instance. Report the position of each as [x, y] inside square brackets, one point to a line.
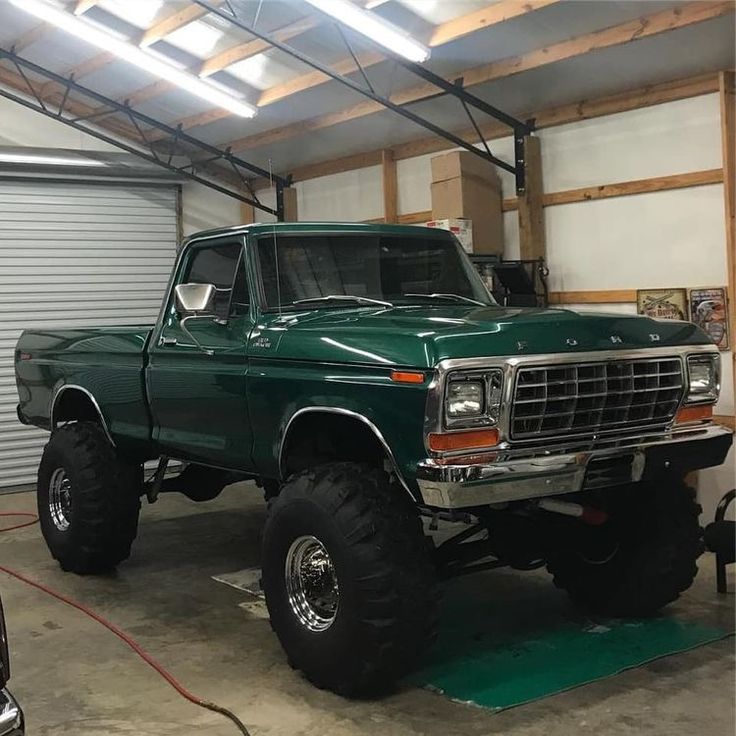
[167, 341]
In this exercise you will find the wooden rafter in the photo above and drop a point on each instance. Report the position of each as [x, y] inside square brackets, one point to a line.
[497, 12]
[156, 32]
[569, 113]
[246, 50]
[30, 37]
[442, 34]
[660, 22]
[83, 6]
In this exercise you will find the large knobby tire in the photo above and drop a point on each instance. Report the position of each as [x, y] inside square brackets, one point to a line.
[88, 499]
[376, 598]
[638, 562]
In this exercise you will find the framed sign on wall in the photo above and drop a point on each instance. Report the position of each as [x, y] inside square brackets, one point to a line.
[662, 303]
[709, 310]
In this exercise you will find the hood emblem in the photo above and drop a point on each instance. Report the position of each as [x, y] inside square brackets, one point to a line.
[522, 345]
[571, 341]
[615, 339]
[654, 337]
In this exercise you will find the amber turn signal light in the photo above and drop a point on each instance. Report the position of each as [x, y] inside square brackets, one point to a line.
[694, 414]
[407, 377]
[473, 439]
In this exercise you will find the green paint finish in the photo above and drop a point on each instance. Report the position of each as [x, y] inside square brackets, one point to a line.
[231, 408]
[534, 645]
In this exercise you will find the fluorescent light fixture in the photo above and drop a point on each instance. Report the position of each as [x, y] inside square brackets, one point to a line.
[134, 55]
[374, 27]
[22, 158]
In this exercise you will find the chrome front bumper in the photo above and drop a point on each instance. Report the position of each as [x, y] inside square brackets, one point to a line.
[518, 478]
[11, 716]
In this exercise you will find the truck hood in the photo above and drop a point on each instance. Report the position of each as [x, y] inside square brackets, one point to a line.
[421, 336]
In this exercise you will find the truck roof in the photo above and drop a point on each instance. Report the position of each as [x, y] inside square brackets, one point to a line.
[333, 227]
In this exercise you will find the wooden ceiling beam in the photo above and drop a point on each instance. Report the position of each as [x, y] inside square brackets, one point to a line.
[569, 113]
[30, 37]
[83, 6]
[506, 9]
[623, 33]
[246, 50]
[171, 23]
[491, 15]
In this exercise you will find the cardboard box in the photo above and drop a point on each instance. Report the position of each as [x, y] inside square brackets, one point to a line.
[463, 163]
[468, 198]
[462, 229]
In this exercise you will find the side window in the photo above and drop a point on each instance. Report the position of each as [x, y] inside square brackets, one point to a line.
[222, 266]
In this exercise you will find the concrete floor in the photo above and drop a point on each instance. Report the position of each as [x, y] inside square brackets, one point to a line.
[74, 678]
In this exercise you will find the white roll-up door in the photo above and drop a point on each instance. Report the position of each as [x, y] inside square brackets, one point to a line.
[74, 255]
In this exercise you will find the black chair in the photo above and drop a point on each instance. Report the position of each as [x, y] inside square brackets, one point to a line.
[720, 537]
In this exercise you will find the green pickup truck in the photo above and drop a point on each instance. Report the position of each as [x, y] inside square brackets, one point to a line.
[365, 379]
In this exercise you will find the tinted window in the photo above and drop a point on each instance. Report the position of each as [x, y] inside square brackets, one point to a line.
[222, 266]
[390, 268]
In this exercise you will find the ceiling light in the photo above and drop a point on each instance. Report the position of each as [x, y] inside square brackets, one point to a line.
[372, 26]
[133, 55]
[22, 158]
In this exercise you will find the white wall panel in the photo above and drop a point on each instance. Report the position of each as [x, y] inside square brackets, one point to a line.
[351, 196]
[661, 239]
[204, 208]
[671, 138]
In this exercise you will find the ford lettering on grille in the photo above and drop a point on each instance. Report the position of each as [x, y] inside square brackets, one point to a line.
[588, 398]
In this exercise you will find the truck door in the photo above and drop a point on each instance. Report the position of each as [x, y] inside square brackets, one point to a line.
[197, 392]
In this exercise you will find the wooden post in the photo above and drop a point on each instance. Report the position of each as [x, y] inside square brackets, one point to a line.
[532, 238]
[726, 83]
[247, 213]
[390, 186]
[291, 211]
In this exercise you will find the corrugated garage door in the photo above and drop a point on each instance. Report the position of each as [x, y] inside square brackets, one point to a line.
[74, 255]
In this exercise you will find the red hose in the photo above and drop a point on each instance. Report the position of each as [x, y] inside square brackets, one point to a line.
[33, 519]
[132, 643]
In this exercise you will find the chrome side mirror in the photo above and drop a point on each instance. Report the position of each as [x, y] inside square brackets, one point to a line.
[194, 298]
[194, 301]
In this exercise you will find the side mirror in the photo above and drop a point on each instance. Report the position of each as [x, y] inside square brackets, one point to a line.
[194, 298]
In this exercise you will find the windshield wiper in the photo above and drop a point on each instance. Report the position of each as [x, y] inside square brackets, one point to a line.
[343, 298]
[449, 297]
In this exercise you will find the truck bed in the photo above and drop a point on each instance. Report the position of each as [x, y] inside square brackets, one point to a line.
[106, 362]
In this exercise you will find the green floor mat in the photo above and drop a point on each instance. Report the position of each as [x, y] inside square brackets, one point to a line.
[507, 640]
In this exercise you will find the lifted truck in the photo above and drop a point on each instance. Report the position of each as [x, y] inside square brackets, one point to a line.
[366, 379]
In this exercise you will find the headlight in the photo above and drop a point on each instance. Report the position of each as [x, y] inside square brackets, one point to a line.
[704, 379]
[473, 399]
[464, 399]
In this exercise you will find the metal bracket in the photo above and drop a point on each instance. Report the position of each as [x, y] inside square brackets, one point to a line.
[153, 487]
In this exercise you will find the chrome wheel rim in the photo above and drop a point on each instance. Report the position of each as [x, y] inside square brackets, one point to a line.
[60, 499]
[311, 583]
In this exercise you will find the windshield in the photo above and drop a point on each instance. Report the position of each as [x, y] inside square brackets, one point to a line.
[335, 270]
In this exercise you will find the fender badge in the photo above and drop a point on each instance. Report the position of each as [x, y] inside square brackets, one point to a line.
[571, 341]
[615, 339]
[654, 337]
[262, 342]
[522, 345]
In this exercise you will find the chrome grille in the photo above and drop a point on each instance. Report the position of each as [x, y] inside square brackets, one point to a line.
[586, 398]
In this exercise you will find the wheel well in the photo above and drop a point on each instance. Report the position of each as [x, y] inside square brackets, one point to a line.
[314, 438]
[73, 404]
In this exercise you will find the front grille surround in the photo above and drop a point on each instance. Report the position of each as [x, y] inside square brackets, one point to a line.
[588, 398]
